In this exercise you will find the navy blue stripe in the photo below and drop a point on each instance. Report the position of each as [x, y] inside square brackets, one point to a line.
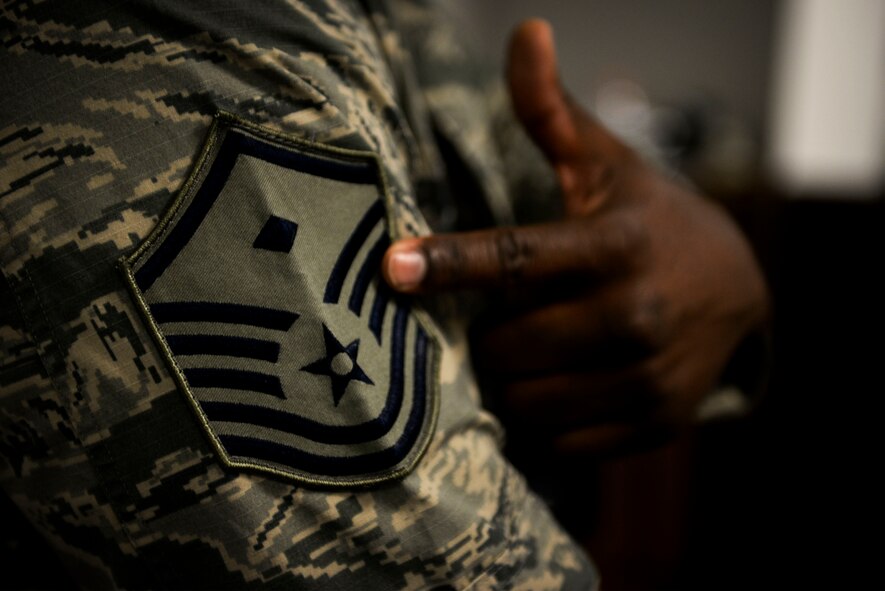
[350, 250]
[234, 144]
[313, 430]
[367, 271]
[190, 220]
[234, 379]
[224, 313]
[250, 447]
[341, 168]
[419, 405]
[379, 309]
[200, 344]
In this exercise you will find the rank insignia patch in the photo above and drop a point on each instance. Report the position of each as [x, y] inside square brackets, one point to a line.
[261, 286]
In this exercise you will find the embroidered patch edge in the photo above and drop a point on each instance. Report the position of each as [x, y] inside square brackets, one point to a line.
[221, 124]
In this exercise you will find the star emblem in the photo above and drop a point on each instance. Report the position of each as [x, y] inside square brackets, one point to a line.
[339, 364]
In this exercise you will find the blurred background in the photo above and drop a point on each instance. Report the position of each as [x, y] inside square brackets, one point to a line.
[774, 108]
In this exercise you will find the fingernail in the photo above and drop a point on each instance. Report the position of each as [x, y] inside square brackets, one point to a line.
[406, 269]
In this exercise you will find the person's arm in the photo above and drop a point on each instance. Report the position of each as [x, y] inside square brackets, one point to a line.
[237, 409]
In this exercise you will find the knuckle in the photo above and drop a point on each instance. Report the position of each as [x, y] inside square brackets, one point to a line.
[622, 241]
[631, 235]
[445, 261]
[512, 253]
[644, 321]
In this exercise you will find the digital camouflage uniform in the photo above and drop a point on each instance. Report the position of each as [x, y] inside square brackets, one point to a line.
[287, 143]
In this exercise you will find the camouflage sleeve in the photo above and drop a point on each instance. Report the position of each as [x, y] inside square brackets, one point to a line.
[203, 382]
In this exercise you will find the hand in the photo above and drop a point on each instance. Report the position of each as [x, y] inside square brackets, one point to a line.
[628, 309]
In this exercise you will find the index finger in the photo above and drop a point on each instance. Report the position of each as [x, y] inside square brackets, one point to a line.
[509, 257]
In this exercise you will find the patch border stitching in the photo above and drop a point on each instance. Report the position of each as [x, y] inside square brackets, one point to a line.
[222, 120]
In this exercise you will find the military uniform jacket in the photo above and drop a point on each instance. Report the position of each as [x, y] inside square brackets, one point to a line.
[204, 383]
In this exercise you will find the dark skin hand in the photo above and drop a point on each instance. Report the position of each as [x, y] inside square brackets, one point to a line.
[629, 308]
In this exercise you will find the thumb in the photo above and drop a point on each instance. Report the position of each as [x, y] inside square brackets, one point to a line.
[581, 151]
[538, 98]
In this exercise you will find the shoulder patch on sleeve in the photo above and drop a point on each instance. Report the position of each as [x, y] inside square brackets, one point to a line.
[261, 287]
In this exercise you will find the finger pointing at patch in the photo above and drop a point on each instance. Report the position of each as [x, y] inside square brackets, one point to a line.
[510, 256]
